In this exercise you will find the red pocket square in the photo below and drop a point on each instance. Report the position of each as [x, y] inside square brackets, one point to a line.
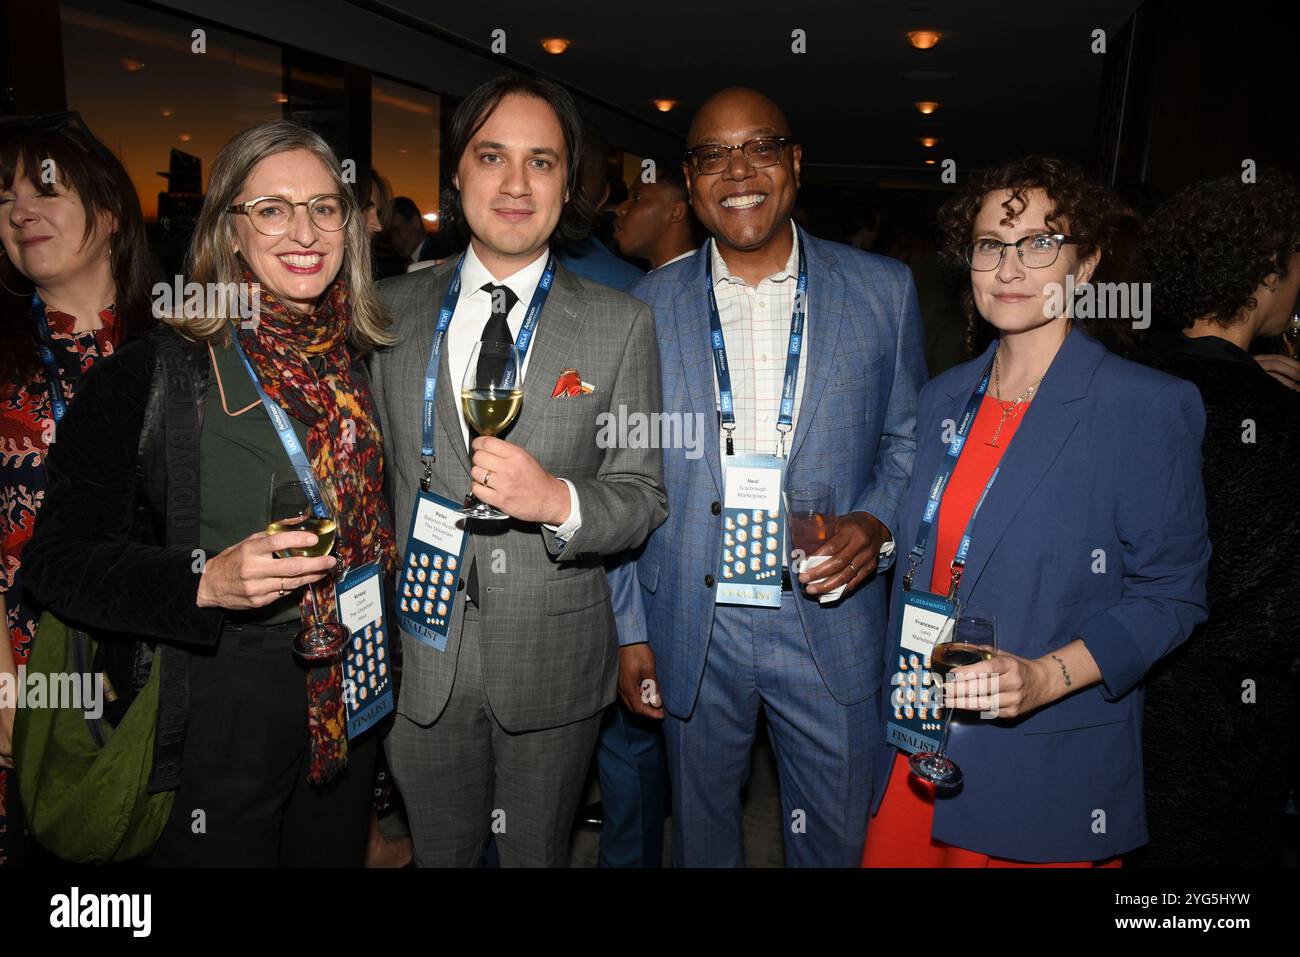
[570, 383]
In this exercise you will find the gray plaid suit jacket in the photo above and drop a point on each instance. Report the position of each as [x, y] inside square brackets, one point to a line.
[549, 650]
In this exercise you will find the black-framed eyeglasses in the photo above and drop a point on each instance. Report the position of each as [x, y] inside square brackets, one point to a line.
[759, 152]
[1036, 252]
[272, 215]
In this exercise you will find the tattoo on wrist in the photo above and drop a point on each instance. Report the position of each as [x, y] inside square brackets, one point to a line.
[1064, 671]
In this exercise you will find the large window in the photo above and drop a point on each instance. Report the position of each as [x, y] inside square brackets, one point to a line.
[136, 80]
[404, 143]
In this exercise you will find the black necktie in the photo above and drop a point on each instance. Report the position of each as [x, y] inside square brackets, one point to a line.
[497, 329]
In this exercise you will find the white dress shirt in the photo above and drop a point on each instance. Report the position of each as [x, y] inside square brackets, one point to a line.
[756, 329]
[473, 309]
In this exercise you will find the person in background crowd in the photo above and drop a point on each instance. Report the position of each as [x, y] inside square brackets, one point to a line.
[937, 293]
[259, 742]
[407, 241]
[864, 222]
[377, 208]
[1081, 462]
[655, 222]
[1223, 258]
[812, 669]
[74, 266]
[588, 256]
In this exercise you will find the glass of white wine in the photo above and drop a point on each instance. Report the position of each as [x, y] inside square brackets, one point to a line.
[491, 394]
[970, 636]
[289, 509]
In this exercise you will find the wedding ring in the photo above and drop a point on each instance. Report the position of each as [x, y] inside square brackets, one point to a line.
[281, 586]
[854, 567]
[486, 475]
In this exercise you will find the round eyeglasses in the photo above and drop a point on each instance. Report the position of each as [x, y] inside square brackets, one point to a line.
[272, 215]
[713, 157]
[1036, 252]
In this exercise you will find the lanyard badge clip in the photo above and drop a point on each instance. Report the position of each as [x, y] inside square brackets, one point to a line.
[731, 445]
[955, 583]
[783, 432]
[426, 480]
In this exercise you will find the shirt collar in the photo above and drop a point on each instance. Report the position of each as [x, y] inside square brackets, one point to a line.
[685, 255]
[721, 274]
[473, 276]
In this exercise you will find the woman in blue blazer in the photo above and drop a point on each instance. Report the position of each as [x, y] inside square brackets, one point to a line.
[1089, 547]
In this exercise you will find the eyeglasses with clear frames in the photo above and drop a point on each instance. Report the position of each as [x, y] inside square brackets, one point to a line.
[761, 152]
[272, 215]
[985, 254]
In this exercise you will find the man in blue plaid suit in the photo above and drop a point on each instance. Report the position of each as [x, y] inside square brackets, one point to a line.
[812, 668]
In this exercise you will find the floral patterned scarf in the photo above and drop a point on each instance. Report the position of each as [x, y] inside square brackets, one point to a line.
[345, 451]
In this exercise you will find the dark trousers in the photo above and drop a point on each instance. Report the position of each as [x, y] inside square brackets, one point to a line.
[245, 798]
[633, 772]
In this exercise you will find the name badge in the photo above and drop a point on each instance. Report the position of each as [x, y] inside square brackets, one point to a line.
[753, 531]
[914, 719]
[367, 671]
[430, 571]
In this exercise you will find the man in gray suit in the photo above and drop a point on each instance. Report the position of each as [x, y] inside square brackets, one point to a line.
[495, 732]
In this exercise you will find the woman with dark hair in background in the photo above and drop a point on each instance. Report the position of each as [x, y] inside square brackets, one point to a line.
[1068, 506]
[74, 270]
[1224, 260]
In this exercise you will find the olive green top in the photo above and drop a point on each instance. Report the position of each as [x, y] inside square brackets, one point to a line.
[237, 455]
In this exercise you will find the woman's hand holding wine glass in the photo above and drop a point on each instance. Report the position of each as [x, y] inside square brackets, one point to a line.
[249, 575]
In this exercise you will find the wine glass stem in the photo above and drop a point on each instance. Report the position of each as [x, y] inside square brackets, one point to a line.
[947, 724]
[315, 605]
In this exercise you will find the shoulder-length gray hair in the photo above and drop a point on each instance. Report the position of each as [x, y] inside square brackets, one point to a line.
[213, 262]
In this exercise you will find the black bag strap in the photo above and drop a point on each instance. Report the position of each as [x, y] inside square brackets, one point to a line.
[181, 446]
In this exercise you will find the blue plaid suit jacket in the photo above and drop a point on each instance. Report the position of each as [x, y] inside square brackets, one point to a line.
[856, 431]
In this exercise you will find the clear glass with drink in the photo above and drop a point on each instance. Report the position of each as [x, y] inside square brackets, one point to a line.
[491, 395]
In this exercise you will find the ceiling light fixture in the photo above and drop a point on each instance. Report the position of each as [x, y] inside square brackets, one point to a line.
[924, 39]
[663, 106]
[927, 106]
[555, 45]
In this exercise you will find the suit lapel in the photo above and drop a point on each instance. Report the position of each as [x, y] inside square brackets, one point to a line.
[821, 334]
[695, 346]
[551, 351]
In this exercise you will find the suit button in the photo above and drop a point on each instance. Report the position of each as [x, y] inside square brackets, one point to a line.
[460, 584]
[716, 508]
[708, 581]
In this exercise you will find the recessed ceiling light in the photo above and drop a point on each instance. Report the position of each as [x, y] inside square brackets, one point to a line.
[132, 66]
[931, 163]
[928, 141]
[927, 106]
[924, 39]
[166, 111]
[555, 45]
[663, 106]
[282, 98]
[185, 137]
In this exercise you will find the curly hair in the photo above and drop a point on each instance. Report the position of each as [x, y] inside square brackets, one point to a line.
[1090, 210]
[1207, 249]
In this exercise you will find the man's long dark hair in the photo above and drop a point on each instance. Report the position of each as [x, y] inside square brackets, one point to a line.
[86, 167]
[474, 111]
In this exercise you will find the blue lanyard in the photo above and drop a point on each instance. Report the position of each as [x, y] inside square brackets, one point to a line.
[45, 349]
[288, 438]
[785, 420]
[931, 514]
[522, 341]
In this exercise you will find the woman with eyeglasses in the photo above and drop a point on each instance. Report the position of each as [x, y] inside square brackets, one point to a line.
[1057, 489]
[74, 279]
[156, 519]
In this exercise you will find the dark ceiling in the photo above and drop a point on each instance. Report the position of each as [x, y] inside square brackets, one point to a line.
[1023, 76]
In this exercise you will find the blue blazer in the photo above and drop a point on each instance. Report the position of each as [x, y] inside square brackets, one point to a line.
[855, 431]
[1095, 528]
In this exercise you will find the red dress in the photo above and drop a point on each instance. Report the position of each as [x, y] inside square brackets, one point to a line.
[26, 428]
[899, 834]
